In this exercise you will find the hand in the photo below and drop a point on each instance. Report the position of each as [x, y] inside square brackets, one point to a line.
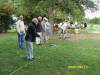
[38, 35]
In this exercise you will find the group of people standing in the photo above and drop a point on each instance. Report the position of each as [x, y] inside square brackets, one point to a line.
[37, 30]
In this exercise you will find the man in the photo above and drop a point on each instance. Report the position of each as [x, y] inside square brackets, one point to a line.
[64, 28]
[30, 38]
[39, 31]
[46, 26]
[20, 27]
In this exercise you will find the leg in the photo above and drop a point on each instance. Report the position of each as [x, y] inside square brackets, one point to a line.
[19, 40]
[38, 39]
[47, 35]
[22, 40]
[40, 33]
[44, 36]
[29, 46]
[31, 50]
[61, 34]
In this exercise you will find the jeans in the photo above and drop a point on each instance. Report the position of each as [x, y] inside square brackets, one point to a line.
[29, 47]
[21, 40]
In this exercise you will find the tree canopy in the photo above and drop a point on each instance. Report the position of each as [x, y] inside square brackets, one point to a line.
[53, 9]
[6, 7]
[58, 8]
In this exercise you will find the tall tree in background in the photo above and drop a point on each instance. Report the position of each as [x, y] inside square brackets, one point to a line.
[6, 9]
[75, 8]
[48, 8]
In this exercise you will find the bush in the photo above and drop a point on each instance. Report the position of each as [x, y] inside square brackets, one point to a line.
[5, 22]
[1, 28]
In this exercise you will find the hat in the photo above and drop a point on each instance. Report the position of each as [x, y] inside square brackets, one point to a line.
[45, 19]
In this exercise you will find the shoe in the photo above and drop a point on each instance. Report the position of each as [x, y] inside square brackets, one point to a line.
[22, 48]
[39, 44]
[30, 59]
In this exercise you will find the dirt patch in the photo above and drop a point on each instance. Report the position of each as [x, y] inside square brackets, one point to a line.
[94, 36]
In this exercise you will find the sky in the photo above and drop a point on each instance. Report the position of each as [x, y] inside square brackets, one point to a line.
[94, 14]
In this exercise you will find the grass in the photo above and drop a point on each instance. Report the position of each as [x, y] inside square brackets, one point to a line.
[12, 30]
[93, 28]
[50, 60]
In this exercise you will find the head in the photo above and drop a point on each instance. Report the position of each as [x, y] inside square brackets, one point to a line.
[66, 20]
[71, 22]
[39, 18]
[45, 19]
[35, 20]
[21, 17]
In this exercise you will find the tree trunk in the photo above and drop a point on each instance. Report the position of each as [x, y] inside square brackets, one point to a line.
[51, 17]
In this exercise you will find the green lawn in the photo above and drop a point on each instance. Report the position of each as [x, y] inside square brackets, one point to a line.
[50, 60]
[93, 28]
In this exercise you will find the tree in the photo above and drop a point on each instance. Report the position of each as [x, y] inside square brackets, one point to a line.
[41, 7]
[6, 9]
[75, 8]
[52, 8]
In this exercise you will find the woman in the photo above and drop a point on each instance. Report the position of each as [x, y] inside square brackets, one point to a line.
[30, 38]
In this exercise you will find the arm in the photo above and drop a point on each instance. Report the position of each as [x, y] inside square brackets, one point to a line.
[17, 27]
[34, 33]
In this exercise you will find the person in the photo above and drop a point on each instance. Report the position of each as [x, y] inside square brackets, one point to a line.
[85, 25]
[64, 28]
[60, 32]
[39, 30]
[82, 25]
[30, 37]
[55, 28]
[46, 26]
[20, 27]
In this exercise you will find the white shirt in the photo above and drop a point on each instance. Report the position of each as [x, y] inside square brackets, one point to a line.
[59, 25]
[20, 27]
[73, 25]
[64, 26]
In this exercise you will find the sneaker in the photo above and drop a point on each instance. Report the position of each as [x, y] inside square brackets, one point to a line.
[30, 59]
